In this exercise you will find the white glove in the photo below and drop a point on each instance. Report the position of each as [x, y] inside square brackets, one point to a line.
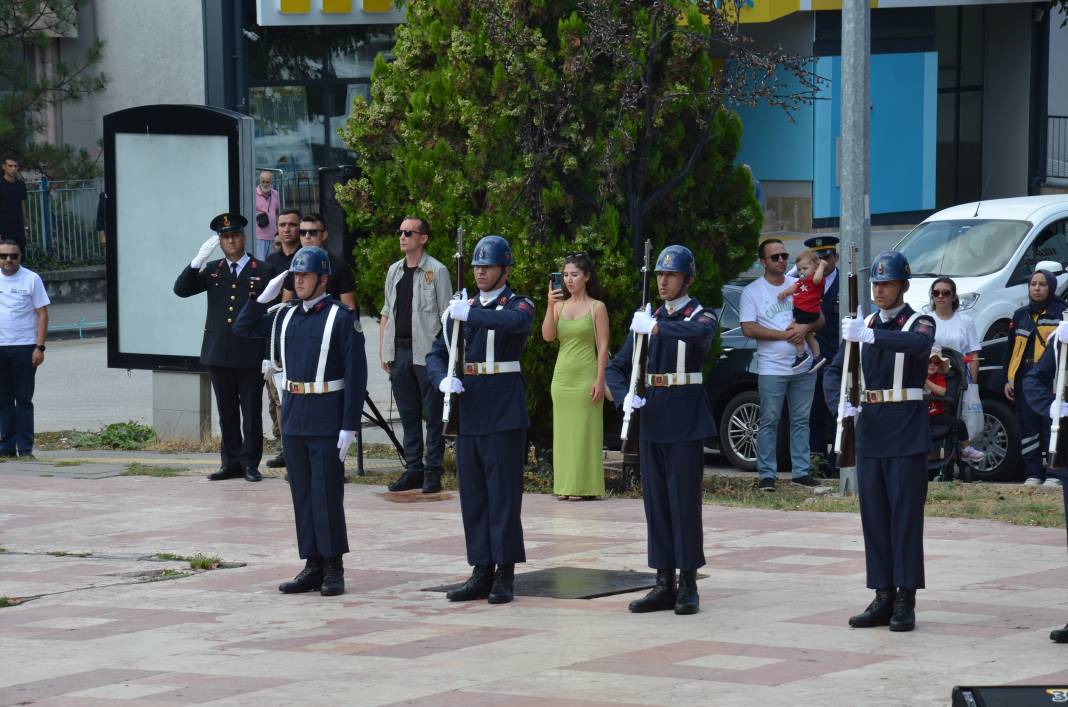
[643, 322]
[1062, 332]
[202, 255]
[273, 289]
[345, 438]
[1053, 410]
[635, 401]
[846, 409]
[459, 308]
[855, 329]
[451, 384]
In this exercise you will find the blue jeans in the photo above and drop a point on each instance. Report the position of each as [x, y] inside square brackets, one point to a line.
[797, 390]
[16, 399]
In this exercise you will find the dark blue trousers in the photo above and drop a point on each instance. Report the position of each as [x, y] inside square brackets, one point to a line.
[417, 400]
[1034, 435]
[16, 399]
[892, 493]
[671, 491]
[317, 482]
[490, 471]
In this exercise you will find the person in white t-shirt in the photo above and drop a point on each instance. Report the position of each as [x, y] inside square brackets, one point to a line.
[23, 326]
[769, 320]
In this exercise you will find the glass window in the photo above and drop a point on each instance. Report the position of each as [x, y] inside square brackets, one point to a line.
[1051, 244]
[962, 248]
[352, 55]
[729, 317]
[285, 127]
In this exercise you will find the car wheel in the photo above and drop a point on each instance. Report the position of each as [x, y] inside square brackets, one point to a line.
[997, 330]
[1001, 442]
[738, 430]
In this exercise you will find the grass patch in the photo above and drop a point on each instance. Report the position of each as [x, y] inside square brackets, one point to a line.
[65, 553]
[70, 462]
[743, 491]
[198, 561]
[128, 435]
[10, 601]
[138, 469]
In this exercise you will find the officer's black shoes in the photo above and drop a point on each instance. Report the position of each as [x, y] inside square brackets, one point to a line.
[253, 474]
[805, 480]
[503, 582]
[333, 577]
[662, 596]
[409, 480]
[878, 612]
[278, 462]
[226, 473]
[478, 586]
[686, 601]
[432, 482]
[904, 618]
[1059, 635]
[767, 485]
[308, 580]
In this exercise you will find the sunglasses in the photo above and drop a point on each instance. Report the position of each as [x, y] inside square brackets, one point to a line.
[9, 256]
[941, 293]
[310, 231]
[405, 233]
[779, 256]
[580, 254]
[826, 256]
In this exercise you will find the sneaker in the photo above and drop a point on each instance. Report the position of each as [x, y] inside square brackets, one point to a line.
[801, 361]
[1052, 483]
[817, 363]
[805, 480]
[1032, 481]
[766, 485]
[972, 455]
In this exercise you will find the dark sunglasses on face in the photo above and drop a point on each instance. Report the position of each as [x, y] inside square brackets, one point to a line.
[826, 256]
[310, 231]
[779, 256]
[9, 256]
[942, 293]
[404, 232]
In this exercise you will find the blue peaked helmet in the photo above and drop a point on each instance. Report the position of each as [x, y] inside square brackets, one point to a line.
[676, 258]
[311, 259]
[492, 250]
[889, 266]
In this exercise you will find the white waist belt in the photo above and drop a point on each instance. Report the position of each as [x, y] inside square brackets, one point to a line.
[489, 368]
[663, 380]
[298, 388]
[892, 395]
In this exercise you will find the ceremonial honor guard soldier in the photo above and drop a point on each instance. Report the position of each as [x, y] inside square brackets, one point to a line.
[676, 419]
[491, 447]
[892, 441]
[234, 362]
[319, 345]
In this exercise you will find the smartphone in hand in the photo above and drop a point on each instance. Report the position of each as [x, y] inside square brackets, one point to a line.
[557, 280]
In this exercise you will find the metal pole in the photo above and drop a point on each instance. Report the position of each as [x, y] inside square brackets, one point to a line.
[46, 217]
[856, 152]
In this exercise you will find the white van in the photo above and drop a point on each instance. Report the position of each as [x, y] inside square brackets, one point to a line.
[990, 249]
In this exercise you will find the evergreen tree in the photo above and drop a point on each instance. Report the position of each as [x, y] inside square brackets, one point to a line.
[564, 125]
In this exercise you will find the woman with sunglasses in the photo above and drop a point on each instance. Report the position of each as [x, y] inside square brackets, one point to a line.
[1029, 332]
[956, 330]
[576, 315]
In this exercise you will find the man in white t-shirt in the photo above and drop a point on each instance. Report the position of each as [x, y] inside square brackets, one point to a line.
[769, 320]
[23, 326]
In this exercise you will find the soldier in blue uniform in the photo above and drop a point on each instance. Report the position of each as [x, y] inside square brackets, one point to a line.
[491, 447]
[319, 345]
[892, 440]
[1038, 390]
[675, 420]
[233, 361]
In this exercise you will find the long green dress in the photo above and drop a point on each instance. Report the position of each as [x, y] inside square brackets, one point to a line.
[578, 430]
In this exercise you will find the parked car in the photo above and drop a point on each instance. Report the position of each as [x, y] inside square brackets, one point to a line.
[990, 249]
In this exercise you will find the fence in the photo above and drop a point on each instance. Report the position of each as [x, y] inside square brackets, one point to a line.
[298, 189]
[1057, 147]
[63, 219]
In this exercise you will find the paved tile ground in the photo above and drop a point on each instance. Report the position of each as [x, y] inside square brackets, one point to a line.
[772, 628]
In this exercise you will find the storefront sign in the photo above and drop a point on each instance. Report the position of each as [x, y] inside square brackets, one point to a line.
[289, 13]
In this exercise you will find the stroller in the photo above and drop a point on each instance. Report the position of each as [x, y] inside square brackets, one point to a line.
[944, 458]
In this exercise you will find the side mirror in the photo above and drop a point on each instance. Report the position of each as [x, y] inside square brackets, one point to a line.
[1051, 265]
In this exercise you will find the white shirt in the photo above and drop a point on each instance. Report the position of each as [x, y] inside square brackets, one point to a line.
[676, 304]
[487, 297]
[240, 263]
[886, 315]
[21, 295]
[760, 304]
[957, 333]
[309, 303]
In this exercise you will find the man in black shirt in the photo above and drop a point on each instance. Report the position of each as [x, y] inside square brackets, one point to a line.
[289, 237]
[14, 219]
[342, 285]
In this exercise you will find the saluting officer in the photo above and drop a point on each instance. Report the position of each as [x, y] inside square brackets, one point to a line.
[1038, 390]
[234, 362]
[491, 447]
[675, 421]
[319, 345]
[892, 441]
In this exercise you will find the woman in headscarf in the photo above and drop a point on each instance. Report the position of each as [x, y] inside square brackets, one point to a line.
[1029, 331]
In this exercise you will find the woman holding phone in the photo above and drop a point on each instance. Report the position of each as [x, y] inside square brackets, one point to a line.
[578, 318]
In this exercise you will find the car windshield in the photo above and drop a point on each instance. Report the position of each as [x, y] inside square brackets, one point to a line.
[728, 313]
[962, 248]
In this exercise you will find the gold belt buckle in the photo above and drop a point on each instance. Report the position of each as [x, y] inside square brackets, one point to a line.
[873, 396]
[471, 369]
[296, 388]
[660, 380]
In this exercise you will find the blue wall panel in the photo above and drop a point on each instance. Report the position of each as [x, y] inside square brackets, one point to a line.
[773, 146]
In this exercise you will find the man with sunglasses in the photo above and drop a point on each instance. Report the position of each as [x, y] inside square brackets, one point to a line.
[417, 291]
[342, 285]
[23, 325]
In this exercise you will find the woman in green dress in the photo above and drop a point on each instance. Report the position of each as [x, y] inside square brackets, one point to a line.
[578, 318]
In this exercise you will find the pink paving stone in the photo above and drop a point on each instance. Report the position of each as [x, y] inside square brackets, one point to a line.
[467, 698]
[330, 631]
[757, 560]
[207, 688]
[23, 693]
[119, 621]
[1056, 578]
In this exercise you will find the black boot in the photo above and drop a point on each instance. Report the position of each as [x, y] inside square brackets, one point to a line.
[308, 580]
[277, 462]
[1059, 635]
[333, 577]
[904, 618]
[431, 481]
[661, 598]
[476, 587]
[501, 592]
[686, 601]
[878, 612]
[409, 480]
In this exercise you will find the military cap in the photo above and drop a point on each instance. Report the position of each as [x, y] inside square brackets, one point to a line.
[822, 243]
[228, 223]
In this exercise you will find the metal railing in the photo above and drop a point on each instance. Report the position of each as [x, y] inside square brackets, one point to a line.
[1057, 146]
[298, 189]
[63, 219]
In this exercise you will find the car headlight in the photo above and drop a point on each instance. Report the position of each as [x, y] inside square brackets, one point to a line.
[968, 299]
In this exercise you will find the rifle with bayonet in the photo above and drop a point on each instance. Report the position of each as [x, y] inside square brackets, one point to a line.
[844, 442]
[640, 355]
[1058, 442]
[450, 413]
